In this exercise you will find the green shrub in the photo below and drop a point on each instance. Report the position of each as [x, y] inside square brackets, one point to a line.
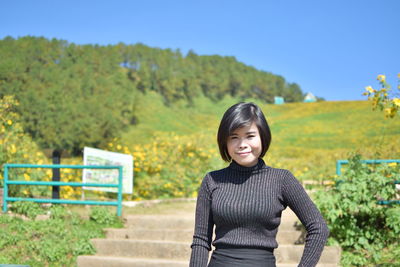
[366, 231]
[102, 215]
[27, 208]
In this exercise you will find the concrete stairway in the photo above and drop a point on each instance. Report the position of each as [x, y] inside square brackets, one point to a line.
[164, 240]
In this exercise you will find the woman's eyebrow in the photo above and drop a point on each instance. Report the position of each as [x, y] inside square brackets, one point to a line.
[252, 132]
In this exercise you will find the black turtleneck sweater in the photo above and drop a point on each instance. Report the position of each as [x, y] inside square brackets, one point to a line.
[245, 205]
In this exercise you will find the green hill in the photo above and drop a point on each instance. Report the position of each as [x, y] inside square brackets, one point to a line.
[307, 138]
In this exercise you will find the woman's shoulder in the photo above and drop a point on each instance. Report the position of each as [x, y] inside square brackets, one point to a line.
[279, 170]
[218, 172]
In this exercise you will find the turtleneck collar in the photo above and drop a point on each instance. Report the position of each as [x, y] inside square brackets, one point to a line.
[235, 166]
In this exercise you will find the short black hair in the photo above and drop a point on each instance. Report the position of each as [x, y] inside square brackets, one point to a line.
[240, 115]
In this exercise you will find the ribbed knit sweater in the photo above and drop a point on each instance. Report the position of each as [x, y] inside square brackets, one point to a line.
[245, 205]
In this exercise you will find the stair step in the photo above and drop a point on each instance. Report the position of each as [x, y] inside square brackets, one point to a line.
[181, 250]
[283, 237]
[186, 222]
[160, 222]
[295, 265]
[142, 249]
[293, 253]
[108, 261]
[104, 261]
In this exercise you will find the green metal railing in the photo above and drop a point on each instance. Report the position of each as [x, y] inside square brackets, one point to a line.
[339, 164]
[8, 182]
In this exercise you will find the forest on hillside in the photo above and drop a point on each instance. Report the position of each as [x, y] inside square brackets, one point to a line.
[75, 95]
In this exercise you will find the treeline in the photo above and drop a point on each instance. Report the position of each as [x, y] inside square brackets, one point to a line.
[75, 95]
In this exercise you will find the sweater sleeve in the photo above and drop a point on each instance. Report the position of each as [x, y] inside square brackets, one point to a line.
[203, 226]
[317, 231]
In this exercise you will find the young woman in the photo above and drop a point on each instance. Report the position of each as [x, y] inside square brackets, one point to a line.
[245, 200]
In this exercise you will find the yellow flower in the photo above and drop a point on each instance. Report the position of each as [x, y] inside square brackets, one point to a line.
[396, 101]
[119, 147]
[392, 164]
[9, 122]
[381, 78]
[13, 149]
[27, 177]
[369, 89]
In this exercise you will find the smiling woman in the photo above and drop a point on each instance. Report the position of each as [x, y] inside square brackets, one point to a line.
[245, 200]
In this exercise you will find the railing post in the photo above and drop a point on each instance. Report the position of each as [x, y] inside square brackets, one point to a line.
[119, 208]
[5, 193]
[338, 168]
[56, 174]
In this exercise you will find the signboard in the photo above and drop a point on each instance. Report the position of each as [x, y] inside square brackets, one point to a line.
[93, 156]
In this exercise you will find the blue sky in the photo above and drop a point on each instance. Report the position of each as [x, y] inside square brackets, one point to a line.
[330, 48]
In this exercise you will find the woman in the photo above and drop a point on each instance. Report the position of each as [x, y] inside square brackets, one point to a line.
[245, 200]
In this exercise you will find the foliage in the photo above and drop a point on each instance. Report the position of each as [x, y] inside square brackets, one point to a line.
[76, 95]
[364, 229]
[27, 208]
[56, 241]
[102, 215]
[382, 99]
[18, 147]
[171, 165]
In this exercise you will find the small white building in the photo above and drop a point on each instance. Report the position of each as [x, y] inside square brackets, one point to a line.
[310, 98]
[279, 100]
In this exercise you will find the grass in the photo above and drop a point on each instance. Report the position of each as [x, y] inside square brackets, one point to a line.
[323, 125]
[55, 241]
[307, 138]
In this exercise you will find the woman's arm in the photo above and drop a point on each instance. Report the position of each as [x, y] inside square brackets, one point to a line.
[317, 231]
[203, 226]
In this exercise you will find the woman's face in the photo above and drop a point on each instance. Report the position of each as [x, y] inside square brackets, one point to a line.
[244, 145]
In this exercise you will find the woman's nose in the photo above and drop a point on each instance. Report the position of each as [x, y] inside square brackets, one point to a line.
[242, 144]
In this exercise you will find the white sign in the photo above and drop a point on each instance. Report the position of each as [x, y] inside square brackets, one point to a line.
[93, 156]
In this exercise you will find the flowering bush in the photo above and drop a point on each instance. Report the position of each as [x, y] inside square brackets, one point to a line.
[17, 147]
[382, 99]
[171, 165]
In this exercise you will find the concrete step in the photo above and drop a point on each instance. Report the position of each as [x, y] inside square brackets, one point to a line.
[181, 250]
[186, 222]
[283, 237]
[103, 261]
[142, 249]
[108, 261]
[160, 222]
[293, 253]
[295, 265]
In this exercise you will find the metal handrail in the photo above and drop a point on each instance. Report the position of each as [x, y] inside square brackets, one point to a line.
[7, 182]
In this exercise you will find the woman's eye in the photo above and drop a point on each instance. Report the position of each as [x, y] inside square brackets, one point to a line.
[251, 136]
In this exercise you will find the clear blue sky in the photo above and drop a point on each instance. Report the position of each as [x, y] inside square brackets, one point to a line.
[330, 48]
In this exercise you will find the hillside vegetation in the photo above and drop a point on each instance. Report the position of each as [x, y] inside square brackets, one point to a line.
[164, 109]
[307, 138]
[75, 95]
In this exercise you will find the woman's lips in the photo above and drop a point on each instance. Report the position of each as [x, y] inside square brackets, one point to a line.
[243, 153]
